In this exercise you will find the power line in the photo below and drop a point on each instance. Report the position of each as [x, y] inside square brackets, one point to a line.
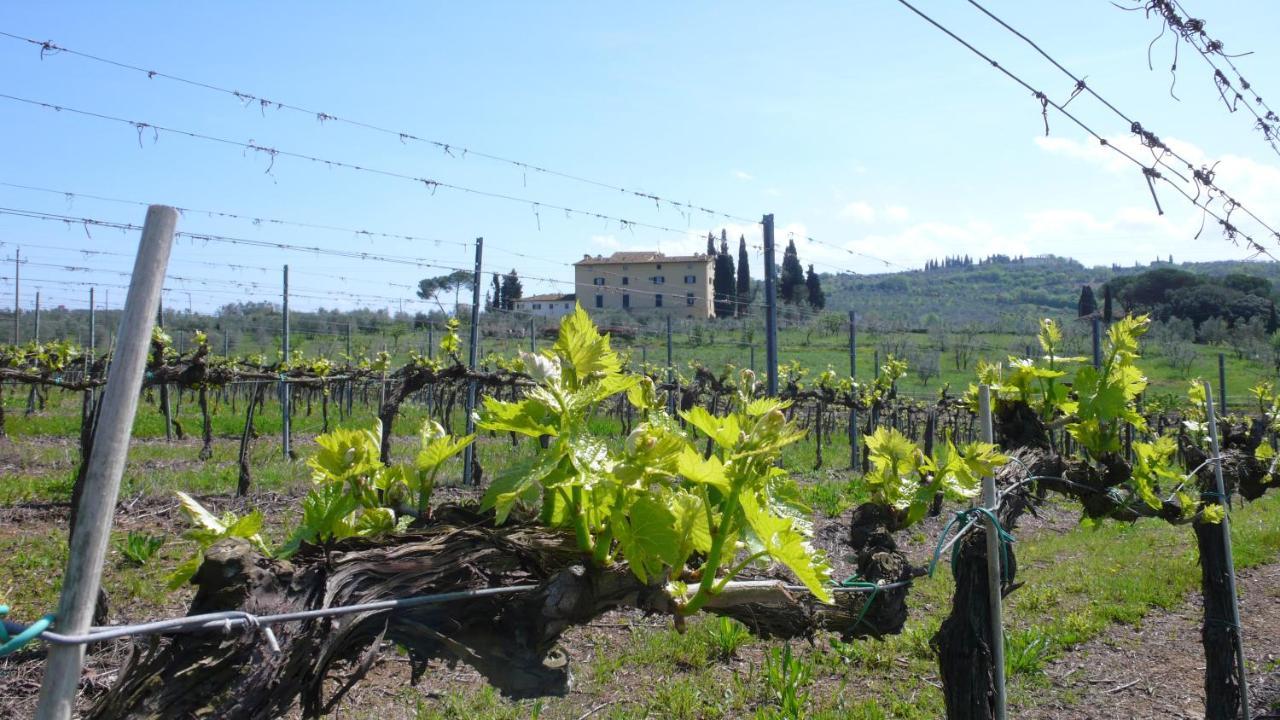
[47, 47]
[272, 153]
[1230, 230]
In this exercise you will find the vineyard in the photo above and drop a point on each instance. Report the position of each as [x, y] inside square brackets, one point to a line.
[898, 456]
[618, 506]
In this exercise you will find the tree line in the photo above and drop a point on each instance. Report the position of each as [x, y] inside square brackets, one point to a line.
[731, 283]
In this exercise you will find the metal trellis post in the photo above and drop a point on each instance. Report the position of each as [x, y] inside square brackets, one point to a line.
[284, 387]
[1220, 486]
[771, 308]
[990, 500]
[473, 359]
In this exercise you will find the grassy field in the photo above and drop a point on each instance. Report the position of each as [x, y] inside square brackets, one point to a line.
[1083, 586]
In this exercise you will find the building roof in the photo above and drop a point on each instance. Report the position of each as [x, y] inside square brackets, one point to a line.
[551, 297]
[643, 256]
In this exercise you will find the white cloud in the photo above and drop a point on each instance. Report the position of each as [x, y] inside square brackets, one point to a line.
[859, 211]
[744, 176]
[897, 213]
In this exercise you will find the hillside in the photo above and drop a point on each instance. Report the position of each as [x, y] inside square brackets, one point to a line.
[1003, 294]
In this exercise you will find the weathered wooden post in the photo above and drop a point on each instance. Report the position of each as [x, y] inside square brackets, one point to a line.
[92, 535]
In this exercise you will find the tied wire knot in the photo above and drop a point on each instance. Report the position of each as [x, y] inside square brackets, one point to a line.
[966, 518]
[14, 637]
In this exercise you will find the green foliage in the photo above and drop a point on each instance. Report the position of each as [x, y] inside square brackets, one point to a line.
[209, 529]
[1026, 652]
[904, 478]
[787, 675]
[356, 495]
[727, 636]
[657, 503]
[138, 548]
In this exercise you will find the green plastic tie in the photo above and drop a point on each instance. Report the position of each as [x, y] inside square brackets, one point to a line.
[963, 517]
[8, 644]
[853, 582]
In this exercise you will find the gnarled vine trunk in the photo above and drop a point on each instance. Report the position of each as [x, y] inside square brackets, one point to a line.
[963, 642]
[511, 639]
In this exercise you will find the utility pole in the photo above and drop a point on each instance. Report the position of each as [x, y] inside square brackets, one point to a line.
[468, 458]
[771, 309]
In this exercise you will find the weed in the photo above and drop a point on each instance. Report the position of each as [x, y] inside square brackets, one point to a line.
[786, 676]
[1026, 651]
[726, 636]
[138, 548]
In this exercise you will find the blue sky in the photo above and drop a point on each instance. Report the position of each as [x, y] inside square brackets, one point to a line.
[854, 123]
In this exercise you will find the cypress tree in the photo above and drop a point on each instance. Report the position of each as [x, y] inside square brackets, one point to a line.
[711, 245]
[792, 280]
[1087, 305]
[511, 290]
[1273, 322]
[723, 281]
[495, 297]
[813, 286]
[1106, 303]
[743, 289]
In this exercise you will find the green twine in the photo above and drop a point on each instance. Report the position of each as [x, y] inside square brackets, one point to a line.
[963, 517]
[9, 645]
[853, 582]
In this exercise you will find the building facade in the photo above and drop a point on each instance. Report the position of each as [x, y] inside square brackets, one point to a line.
[646, 282]
[556, 305]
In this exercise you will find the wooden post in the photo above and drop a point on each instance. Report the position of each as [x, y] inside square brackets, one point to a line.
[92, 535]
[37, 333]
[771, 308]
[473, 359]
[990, 499]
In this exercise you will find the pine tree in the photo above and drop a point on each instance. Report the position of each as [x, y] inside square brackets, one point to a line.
[1106, 303]
[792, 279]
[511, 290]
[1087, 305]
[817, 298]
[743, 289]
[723, 281]
[495, 296]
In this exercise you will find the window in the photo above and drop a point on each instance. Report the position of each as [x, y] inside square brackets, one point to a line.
[626, 280]
[690, 279]
[658, 280]
[688, 299]
[658, 266]
[599, 301]
[657, 301]
[626, 300]
[537, 306]
[597, 281]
